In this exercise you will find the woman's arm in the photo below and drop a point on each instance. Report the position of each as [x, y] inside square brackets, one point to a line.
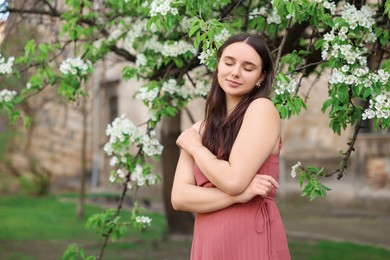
[186, 196]
[257, 139]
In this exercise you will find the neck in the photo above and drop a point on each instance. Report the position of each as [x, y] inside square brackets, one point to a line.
[231, 105]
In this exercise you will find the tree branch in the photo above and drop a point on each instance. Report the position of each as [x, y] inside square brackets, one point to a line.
[52, 13]
[344, 162]
[283, 42]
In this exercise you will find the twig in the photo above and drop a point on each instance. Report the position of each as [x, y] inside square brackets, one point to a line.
[344, 162]
[310, 65]
[189, 115]
[311, 87]
[119, 207]
[283, 42]
[304, 70]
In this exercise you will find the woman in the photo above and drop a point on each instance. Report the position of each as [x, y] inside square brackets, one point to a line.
[228, 167]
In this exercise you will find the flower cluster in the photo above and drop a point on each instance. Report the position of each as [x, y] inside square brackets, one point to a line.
[222, 36]
[162, 7]
[294, 169]
[331, 6]
[6, 66]
[7, 95]
[141, 60]
[258, 12]
[346, 43]
[170, 87]
[147, 95]
[74, 66]
[143, 220]
[137, 30]
[338, 43]
[167, 49]
[183, 91]
[379, 107]
[362, 17]
[121, 132]
[202, 88]
[274, 17]
[289, 86]
[140, 179]
[205, 55]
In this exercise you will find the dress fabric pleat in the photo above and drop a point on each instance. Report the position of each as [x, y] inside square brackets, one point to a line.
[249, 231]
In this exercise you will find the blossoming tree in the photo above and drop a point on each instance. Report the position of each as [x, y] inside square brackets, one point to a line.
[166, 41]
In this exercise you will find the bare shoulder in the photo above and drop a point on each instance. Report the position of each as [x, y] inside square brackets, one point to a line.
[198, 126]
[263, 106]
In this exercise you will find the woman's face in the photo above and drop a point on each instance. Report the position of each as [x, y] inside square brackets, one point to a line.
[239, 70]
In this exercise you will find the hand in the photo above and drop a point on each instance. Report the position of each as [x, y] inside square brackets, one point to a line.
[189, 140]
[260, 185]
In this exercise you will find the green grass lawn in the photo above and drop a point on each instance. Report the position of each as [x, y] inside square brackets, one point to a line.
[34, 228]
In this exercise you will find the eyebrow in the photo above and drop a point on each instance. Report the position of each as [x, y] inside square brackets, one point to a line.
[245, 62]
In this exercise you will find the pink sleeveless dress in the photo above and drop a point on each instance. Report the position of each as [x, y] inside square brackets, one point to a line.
[249, 231]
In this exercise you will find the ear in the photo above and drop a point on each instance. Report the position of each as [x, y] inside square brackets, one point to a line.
[262, 77]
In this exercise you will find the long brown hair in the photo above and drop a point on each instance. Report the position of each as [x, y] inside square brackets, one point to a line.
[220, 129]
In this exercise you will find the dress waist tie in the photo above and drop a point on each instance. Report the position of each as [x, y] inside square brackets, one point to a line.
[263, 220]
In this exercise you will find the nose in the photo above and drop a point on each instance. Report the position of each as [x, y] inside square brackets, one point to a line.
[235, 71]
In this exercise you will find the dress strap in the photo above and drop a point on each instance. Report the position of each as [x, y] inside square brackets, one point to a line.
[280, 144]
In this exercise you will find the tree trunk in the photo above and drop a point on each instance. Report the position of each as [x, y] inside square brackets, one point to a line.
[178, 221]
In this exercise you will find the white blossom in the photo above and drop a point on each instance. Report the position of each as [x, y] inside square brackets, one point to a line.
[170, 86]
[162, 7]
[6, 66]
[222, 36]
[7, 95]
[329, 36]
[202, 88]
[258, 12]
[114, 161]
[205, 55]
[140, 60]
[331, 6]
[170, 49]
[274, 17]
[74, 66]
[336, 77]
[143, 220]
[121, 174]
[325, 55]
[289, 87]
[354, 17]
[294, 169]
[137, 177]
[122, 129]
[383, 76]
[112, 178]
[146, 94]
[379, 107]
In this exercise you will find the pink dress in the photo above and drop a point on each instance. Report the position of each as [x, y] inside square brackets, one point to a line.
[249, 231]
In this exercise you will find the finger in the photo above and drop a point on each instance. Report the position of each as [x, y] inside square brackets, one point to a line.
[264, 188]
[271, 179]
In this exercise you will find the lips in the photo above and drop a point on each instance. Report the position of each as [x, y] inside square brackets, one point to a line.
[233, 83]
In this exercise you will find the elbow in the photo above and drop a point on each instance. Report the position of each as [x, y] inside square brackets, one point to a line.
[176, 202]
[234, 188]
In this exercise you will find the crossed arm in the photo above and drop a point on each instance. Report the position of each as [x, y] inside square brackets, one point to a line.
[238, 182]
